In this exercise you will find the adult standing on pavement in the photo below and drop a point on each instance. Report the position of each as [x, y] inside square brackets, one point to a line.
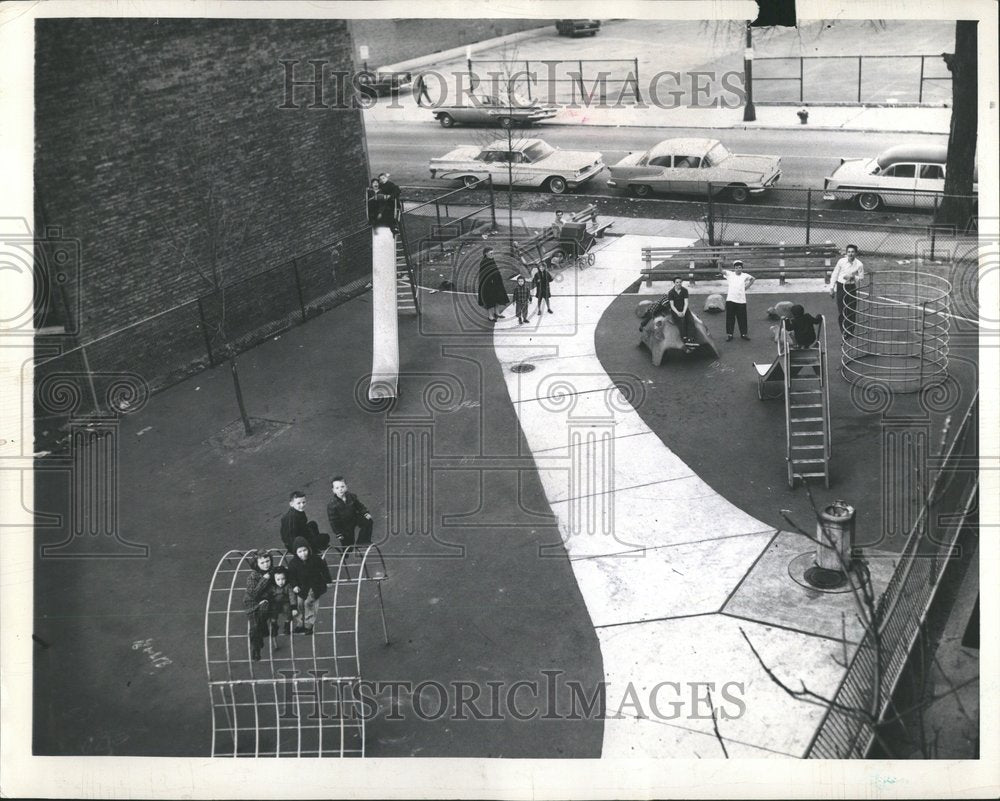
[390, 189]
[846, 276]
[421, 91]
[492, 295]
[347, 514]
[738, 282]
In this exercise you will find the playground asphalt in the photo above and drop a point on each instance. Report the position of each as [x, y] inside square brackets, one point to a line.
[478, 599]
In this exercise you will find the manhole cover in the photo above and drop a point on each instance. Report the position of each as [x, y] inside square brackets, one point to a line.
[825, 579]
[523, 367]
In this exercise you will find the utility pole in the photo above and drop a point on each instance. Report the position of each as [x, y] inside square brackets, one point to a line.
[749, 112]
[510, 167]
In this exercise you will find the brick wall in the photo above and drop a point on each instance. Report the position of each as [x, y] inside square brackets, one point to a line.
[156, 139]
[393, 40]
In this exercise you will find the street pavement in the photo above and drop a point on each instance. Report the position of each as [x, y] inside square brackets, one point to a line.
[807, 155]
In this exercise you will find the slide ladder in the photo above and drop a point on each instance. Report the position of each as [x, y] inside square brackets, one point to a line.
[406, 285]
[807, 411]
[804, 377]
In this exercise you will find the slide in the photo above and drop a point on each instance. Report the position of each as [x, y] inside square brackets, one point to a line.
[385, 327]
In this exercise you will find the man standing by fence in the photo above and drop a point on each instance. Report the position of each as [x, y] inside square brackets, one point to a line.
[846, 276]
[738, 282]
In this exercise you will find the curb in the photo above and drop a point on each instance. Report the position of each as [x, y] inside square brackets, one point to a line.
[457, 52]
[699, 127]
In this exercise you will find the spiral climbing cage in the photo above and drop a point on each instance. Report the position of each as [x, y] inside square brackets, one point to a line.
[896, 329]
[302, 697]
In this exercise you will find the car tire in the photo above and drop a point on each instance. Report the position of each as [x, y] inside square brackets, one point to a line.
[869, 201]
[470, 181]
[506, 122]
[556, 185]
[446, 120]
[643, 190]
[739, 194]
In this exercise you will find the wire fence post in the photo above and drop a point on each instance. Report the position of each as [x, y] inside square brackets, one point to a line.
[493, 205]
[298, 288]
[920, 92]
[801, 79]
[934, 227]
[859, 78]
[711, 217]
[635, 83]
[527, 80]
[809, 205]
[204, 333]
[583, 92]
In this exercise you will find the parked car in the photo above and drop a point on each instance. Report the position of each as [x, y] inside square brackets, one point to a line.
[905, 175]
[578, 27]
[533, 162]
[493, 110]
[690, 166]
[385, 83]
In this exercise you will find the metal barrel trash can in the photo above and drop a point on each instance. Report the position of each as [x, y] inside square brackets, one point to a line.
[835, 532]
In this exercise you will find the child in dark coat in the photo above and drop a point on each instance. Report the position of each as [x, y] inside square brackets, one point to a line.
[256, 599]
[309, 577]
[522, 300]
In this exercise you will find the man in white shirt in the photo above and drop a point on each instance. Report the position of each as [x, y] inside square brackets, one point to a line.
[738, 282]
[848, 273]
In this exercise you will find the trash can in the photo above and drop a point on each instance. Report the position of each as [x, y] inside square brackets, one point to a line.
[835, 532]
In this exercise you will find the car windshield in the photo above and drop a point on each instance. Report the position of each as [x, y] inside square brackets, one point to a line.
[716, 155]
[538, 150]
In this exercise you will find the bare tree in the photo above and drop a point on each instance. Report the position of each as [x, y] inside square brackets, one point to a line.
[869, 612]
[210, 244]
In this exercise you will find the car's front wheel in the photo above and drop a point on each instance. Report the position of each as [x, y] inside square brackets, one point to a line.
[739, 194]
[557, 185]
[643, 190]
[869, 201]
[446, 120]
[470, 181]
[506, 122]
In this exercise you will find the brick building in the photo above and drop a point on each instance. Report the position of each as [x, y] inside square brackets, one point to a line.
[160, 146]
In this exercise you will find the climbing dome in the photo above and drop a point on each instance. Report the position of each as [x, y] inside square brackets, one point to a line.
[898, 333]
[302, 698]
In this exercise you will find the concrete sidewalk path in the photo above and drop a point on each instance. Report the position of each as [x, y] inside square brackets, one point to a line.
[887, 119]
[672, 574]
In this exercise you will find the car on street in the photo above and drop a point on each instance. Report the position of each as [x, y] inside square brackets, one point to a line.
[578, 27]
[689, 166]
[493, 110]
[522, 162]
[910, 176]
[384, 82]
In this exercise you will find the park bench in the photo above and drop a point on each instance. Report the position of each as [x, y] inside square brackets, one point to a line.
[762, 261]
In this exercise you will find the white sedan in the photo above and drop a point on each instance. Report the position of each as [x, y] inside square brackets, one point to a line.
[522, 162]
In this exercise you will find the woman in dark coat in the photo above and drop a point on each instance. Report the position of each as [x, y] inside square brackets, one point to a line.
[492, 295]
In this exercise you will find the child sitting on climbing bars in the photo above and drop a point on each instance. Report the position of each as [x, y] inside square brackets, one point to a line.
[309, 577]
[284, 602]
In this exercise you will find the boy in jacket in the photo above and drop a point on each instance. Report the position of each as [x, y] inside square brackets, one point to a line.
[294, 523]
[347, 514]
[309, 577]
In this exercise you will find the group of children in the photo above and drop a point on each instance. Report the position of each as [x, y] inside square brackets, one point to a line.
[291, 592]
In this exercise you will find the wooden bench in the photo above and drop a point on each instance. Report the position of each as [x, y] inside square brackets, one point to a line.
[762, 261]
[589, 215]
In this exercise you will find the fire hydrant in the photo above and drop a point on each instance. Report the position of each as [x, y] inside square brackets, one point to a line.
[803, 116]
